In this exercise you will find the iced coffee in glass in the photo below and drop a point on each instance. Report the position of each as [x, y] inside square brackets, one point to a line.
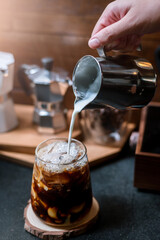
[61, 188]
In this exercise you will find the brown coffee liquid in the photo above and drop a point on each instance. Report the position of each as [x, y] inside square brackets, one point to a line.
[61, 197]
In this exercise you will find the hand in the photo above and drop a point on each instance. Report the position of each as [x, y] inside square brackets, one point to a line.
[123, 22]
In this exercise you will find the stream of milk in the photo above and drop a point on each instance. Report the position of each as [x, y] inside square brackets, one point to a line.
[81, 101]
[78, 106]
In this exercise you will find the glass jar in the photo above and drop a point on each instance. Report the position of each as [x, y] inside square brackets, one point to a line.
[61, 190]
[106, 126]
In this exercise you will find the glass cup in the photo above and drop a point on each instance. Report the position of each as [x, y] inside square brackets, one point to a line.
[106, 126]
[61, 190]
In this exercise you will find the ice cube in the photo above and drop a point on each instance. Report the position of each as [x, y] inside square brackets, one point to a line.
[66, 158]
[55, 155]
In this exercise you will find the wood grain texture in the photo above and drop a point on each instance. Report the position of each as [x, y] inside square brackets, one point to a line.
[58, 28]
[37, 28]
[19, 144]
[25, 138]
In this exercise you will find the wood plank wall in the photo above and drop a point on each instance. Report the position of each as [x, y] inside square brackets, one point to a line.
[32, 29]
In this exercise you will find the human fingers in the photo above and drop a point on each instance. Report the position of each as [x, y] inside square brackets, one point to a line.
[111, 33]
[111, 14]
[125, 44]
[103, 20]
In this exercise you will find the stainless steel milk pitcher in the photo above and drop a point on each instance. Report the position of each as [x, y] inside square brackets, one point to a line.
[121, 81]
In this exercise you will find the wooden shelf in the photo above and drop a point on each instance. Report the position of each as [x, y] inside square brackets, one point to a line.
[19, 144]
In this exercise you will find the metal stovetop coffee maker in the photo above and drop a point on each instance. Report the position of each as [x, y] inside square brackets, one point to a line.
[120, 81]
[8, 119]
[47, 91]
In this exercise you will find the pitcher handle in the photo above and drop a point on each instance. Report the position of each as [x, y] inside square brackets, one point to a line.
[102, 52]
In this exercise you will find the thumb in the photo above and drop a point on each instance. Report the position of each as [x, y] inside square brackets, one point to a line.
[111, 34]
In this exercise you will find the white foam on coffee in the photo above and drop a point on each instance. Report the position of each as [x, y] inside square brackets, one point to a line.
[55, 158]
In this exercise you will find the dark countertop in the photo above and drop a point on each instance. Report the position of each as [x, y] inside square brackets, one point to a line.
[125, 212]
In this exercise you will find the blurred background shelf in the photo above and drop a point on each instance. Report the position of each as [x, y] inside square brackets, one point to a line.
[25, 137]
[19, 144]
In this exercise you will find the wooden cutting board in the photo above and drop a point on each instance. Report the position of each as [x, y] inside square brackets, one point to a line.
[96, 155]
[25, 137]
[19, 144]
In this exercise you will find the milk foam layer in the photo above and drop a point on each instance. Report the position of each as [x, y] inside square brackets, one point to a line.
[55, 158]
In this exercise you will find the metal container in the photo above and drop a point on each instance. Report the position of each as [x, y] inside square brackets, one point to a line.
[121, 81]
[105, 126]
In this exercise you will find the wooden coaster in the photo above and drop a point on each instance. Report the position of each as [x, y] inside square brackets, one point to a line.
[38, 228]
